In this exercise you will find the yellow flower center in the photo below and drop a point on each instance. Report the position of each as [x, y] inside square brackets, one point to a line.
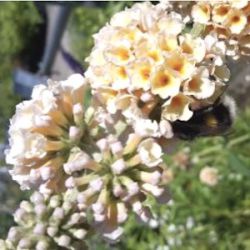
[176, 102]
[122, 72]
[235, 19]
[123, 54]
[154, 55]
[145, 73]
[163, 80]
[222, 10]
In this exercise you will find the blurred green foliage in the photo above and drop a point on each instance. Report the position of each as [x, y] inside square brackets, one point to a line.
[17, 23]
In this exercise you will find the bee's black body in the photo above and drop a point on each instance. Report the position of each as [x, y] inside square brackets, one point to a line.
[209, 121]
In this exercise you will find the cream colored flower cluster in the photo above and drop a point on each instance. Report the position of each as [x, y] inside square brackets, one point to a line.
[144, 65]
[228, 19]
[118, 179]
[44, 130]
[56, 145]
[47, 223]
[146, 72]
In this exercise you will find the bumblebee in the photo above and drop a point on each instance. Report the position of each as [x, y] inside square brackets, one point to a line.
[212, 120]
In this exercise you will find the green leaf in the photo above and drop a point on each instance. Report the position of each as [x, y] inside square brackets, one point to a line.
[238, 165]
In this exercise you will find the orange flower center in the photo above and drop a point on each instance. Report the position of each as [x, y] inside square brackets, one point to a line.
[235, 19]
[145, 73]
[163, 80]
[176, 102]
[222, 11]
[123, 54]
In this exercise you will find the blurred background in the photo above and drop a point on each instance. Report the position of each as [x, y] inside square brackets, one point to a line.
[208, 178]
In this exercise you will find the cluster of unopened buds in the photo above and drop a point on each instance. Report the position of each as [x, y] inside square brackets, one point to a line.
[48, 222]
[100, 138]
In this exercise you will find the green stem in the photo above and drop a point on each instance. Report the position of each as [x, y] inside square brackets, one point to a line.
[238, 140]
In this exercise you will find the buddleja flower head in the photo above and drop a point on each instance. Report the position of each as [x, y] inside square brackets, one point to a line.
[46, 223]
[228, 19]
[45, 129]
[117, 179]
[145, 65]
[55, 145]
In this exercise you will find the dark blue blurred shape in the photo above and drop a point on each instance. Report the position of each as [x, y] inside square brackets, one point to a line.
[24, 81]
[72, 62]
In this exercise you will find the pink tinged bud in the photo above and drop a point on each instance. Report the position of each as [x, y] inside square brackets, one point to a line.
[46, 173]
[116, 148]
[64, 241]
[82, 198]
[122, 213]
[70, 182]
[37, 198]
[74, 133]
[166, 129]
[13, 234]
[137, 206]
[78, 113]
[146, 97]
[39, 229]
[82, 207]
[44, 189]
[98, 208]
[154, 190]
[102, 144]
[81, 162]
[35, 175]
[152, 178]
[24, 244]
[118, 190]
[96, 184]
[40, 209]
[118, 167]
[52, 231]
[42, 245]
[133, 188]
[58, 213]
[99, 217]
[19, 214]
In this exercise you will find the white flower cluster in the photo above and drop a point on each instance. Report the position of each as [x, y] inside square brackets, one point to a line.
[43, 131]
[144, 65]
[55, 146]
[46, 223]
[118, 179]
